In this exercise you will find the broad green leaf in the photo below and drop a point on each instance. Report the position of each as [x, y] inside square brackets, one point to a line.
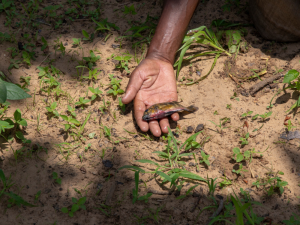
[236, 150]
[81, 201]
[14, 92]
[76, 122]
[83, 207]
[74, 208]
[20, 135]
[74, 200]
[2, 177]
[3, 92]
[239, 157]
[23, 122]
[85, 34]
[17, 114]
[290, 76]
[64, 117]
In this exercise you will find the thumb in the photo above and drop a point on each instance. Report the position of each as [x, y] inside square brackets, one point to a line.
[133, 87]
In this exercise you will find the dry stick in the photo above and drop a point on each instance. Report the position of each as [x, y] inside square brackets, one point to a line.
[256, 87]
[158, 192]
[197, 203]
[217, 212]
[42, 61]
[235, 80]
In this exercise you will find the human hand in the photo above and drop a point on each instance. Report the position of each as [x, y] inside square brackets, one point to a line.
[152, 82]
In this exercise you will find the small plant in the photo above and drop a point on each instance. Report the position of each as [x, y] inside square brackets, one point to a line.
[294, 219]
[237, 155]
[229, 106]
[76, 41]
[225, 182]
[115, 86]
[56, 178]
[52, 110]
[290, 76]
[71, 122]
[72, 111]
[222, 122]
[265, 115]
[244, 140]
[204, 158]
[212, 184]
[107, 132]
[122, 105]
[129, 10]
[91, 60]
[289, 125]
[239, 170]
[245, 115]
[96, 93]
[77, 204]
[123, 62]
[37, 196]
[82, 101]
[88, 37]
[271, 184]
[135, 191]
[105, 106]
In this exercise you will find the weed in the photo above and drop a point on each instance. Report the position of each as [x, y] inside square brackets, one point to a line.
[56, 178]
[245, 115]
[229, 106]
[82, 101]
[96, 93]
[240, 170]
[135, 191]
[289, 125]
[294, 219]
[115, 86]
[88, 37]
[72, 111]
[123, 61]
[204, 158]
[52, 110]
[266, 115]
[222, 122]
[76, 41]
[71, 122]
[129, 10]
[244, 140]
[14, 199]
[91, 60]
[77, 204]
[122, 105]
[105, 106]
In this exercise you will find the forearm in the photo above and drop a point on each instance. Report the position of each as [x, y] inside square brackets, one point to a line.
[171, 28]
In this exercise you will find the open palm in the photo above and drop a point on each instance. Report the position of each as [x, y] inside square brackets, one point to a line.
[152, 82]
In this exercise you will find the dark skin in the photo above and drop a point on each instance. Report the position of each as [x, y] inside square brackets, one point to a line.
[153, 81]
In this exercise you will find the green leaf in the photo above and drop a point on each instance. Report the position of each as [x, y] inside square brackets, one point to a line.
[83, 207]
[239, 157]
[162, 174]
[23, 122]
[76, 122]
[64, 210]
[71, 214]
[20, 135]
[2, 177]
[64, 117]
[92, 135]
[136, 168]
[14, 92]
[290, 76]
[74, 200]
[3, 92]
[81, 201]
[74, 208]
[18, 200]
[190, 175]
[236, 150]
[17, 114]
[85, 34]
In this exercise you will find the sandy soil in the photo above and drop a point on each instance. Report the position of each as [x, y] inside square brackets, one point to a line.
[32, 171]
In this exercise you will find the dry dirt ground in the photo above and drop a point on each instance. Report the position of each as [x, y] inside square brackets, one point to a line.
[90, 171]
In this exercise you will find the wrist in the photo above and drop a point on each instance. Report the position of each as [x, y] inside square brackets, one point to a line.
[162, 56]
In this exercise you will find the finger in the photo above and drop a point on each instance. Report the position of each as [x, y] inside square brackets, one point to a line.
[133, 87]
[139, 108]
[175, 116]
[164, 124]
[154, 128]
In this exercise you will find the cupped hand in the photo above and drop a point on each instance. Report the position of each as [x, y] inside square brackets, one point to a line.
[152, 82]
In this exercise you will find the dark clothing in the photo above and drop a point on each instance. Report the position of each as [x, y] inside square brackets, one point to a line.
[277, 20]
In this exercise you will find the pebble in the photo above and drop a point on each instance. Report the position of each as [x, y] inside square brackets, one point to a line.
[175, 134]
[83, 170]
[2, 158]
[115, 46]
[199, 128]
[107, 163]
[190, 129]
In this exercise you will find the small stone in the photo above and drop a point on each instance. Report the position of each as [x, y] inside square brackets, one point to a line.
[199, 128]
[107, 119]
[175, 134]
[61, 130]
[2, 158]
[66, 44]
[95, 137]
[192, 164]
[272, 86]
[107, 163]
[83, 170]
[198, 72]
[190, 129]
[116, 62]
[115, 46]
[115, 149]
[136, 136]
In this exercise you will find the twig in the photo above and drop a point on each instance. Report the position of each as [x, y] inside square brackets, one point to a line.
[197, 203]
[42, 22]
[256, 87]
[158, 192]
[42, 61]
[235, 80]
[217, 212]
